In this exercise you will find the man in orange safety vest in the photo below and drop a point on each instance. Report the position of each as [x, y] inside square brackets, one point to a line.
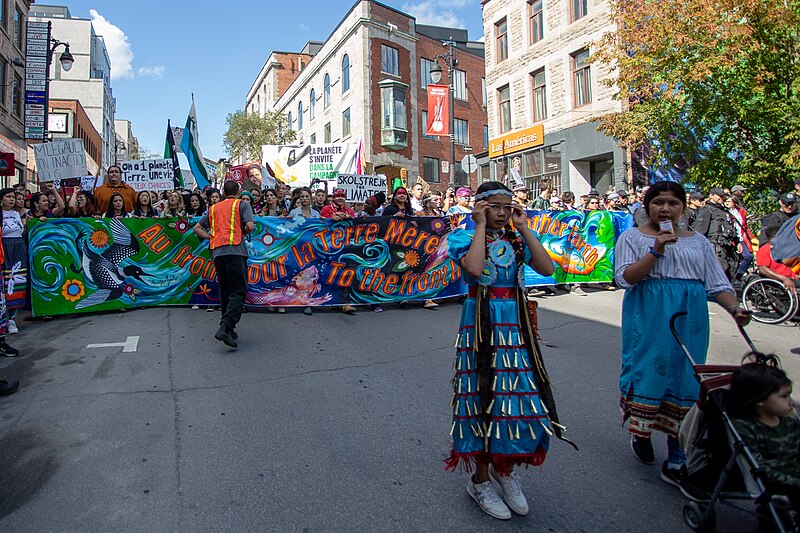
[225, 225]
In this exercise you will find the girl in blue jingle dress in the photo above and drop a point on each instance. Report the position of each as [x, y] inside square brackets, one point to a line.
[503, 410]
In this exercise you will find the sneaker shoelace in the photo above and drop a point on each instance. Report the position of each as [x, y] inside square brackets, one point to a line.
[511, 483]
[487, 494]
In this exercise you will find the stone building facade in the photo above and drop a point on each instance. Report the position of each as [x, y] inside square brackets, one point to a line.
[541, 88]
[365, 83]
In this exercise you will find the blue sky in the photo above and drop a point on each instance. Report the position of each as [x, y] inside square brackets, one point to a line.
[162, 51]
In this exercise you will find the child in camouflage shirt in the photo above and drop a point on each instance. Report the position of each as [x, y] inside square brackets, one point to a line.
[760, 402]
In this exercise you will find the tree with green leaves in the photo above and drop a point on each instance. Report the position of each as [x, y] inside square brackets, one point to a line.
[248, 132]
[714, 82]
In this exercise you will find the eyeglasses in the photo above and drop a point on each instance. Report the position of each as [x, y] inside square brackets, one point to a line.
[497, 208]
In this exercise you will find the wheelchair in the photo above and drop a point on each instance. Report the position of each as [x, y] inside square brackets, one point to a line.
[768, 300]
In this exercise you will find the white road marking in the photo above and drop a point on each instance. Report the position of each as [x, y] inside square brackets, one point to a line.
[130, 344]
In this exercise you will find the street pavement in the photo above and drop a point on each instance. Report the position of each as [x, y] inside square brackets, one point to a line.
[323, 423]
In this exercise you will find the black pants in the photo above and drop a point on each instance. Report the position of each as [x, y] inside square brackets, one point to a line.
[232, 280]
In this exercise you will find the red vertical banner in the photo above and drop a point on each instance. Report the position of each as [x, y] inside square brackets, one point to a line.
[7, 164]
[438, 110]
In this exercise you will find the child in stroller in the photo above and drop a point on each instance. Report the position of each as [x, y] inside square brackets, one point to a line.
[763, 414]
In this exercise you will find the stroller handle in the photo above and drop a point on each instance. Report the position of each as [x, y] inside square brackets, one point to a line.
[674, 331]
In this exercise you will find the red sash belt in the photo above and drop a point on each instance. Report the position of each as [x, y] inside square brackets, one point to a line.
[503, 293]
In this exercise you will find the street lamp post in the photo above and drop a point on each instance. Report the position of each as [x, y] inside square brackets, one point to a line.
[451, 60]
[66, 60]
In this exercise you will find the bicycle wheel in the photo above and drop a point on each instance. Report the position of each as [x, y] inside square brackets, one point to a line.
[769, 301]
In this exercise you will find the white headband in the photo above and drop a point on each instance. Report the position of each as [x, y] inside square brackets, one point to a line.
[494, 192]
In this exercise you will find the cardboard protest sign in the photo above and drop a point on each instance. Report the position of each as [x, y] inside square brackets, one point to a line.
[148, 174]
[359, 187]
[60, 159]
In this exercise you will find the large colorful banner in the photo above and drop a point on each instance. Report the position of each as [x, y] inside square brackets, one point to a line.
[302, 165]
[87, 265]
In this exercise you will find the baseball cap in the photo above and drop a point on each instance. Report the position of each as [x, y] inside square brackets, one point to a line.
[613, 196]
[738, 188]
[789, 198]
[719, 191]
[622, 194]
[520, 187]
[697, 195]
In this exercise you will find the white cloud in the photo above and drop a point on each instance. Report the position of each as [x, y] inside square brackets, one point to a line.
[117, 44]
[436, 12]
[153, 72]
[303, 27]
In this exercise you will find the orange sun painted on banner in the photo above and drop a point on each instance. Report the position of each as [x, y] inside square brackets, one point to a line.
[99, 238]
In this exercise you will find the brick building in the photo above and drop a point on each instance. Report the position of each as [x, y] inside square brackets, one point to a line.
[542, 94]
[367, 82]
[13, 20]
[68, 119]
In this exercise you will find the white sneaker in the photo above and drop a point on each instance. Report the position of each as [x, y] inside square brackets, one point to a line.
[487, 499]
[12, 327]
[511, 491]
[578, 292]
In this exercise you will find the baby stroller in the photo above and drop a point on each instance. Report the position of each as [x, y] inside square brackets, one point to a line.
[717, 459]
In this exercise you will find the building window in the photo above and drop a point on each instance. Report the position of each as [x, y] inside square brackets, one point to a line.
[16, 95]
[460, 84]
[425, 72]
[390, 60]
[485, 137]
[504, 98]
[539, 96]
[346, 123]
[536, 20]
[299, 116]
[581, 78]
[290, 121]
[460, 132]
[461, 177]
[579, 9]
[19, 28]
[312, 105]
[326, 133]
[483, 92]
[326, 95]
[345, 74]
[394, 129]
[312, 139]
[430, 169]
[3, 83]
[425, 127]
[501, 40]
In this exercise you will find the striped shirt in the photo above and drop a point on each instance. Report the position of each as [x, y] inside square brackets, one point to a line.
[691, 258]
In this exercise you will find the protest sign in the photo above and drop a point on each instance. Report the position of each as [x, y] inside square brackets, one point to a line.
[292, 262]
[302, 165]
[359, 187]
[68, 184]
[148, 174]
[60, 159]
[241, 175]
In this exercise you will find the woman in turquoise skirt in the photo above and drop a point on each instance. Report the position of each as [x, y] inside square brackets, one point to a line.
[503, 410]
[665, 270]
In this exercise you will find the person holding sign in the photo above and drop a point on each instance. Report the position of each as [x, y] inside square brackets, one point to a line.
[114, 183]
[229, 222]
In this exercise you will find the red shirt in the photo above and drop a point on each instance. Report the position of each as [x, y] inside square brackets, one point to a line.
[330, 209]
[764, 258]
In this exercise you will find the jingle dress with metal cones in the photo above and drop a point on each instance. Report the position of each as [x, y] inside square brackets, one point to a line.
[503, 411]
